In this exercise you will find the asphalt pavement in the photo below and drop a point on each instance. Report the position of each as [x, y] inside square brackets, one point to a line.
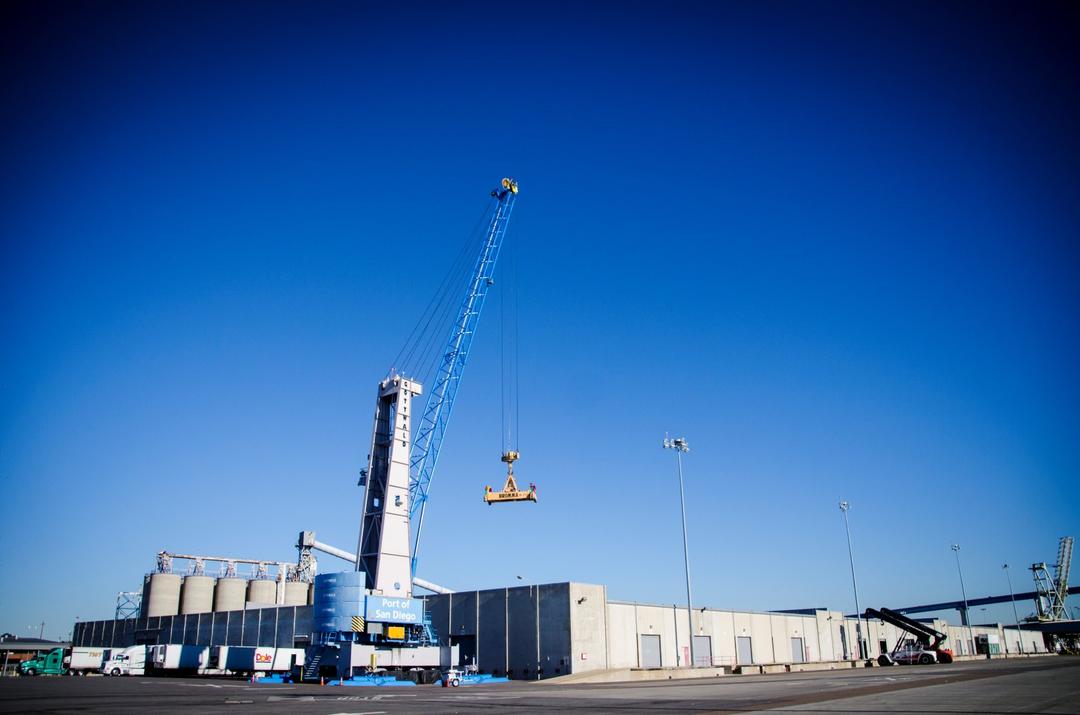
[1039, 685]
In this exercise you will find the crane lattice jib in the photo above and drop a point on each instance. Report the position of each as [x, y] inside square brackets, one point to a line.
[432, 429]
[1061, 569]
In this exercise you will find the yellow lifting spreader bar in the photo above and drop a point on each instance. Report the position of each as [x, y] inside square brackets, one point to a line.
[510, 491]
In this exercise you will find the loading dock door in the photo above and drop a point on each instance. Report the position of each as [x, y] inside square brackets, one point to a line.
[745, 652]
[702, 651]
[466, 648]
[797, 651]
[650, 651]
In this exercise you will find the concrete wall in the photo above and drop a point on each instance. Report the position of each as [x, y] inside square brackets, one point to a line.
[960, 638]
[826, 635]
[588, 614]
[770, 634]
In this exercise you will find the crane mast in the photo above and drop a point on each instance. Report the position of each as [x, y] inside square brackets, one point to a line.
[400, 468]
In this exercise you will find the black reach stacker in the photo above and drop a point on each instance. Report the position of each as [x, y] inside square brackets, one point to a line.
[927, 637]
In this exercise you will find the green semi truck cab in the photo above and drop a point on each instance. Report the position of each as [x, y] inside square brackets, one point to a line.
[51, 663]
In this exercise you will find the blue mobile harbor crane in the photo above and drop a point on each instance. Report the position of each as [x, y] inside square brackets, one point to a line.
[368, 619]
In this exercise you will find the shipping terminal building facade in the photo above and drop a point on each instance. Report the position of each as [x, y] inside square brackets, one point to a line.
[530, 632]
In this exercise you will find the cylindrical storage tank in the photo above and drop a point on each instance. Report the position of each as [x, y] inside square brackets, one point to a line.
[230, 594]
[197, 594]
[162, 597]
[296, 593]
[262, 591]
[338, 597]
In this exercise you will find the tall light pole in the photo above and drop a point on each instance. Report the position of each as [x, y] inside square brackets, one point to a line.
[1016, 618]
[844, 506]
[963, 591]
[680, 446]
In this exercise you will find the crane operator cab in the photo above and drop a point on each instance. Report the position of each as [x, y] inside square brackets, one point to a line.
[510, 491]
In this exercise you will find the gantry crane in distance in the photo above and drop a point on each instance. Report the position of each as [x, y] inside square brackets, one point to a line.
[1053, 591]
[927, 637]
[399, 472]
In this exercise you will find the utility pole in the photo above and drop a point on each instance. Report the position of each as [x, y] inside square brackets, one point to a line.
[1016, 618]
[680, 446]
[844, 506]
[963, 591]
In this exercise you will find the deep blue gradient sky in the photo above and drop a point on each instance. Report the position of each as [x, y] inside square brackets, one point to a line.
[835, 246]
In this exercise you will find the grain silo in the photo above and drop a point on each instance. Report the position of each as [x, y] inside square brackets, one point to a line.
[296, 593]
[262, 591]
[161, 595]
[230, 594]
[197, 594]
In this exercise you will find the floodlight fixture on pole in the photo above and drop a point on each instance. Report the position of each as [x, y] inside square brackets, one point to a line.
[677, 443]
[963, 592]
[1016, 618]
[680, 446]
[844, 506]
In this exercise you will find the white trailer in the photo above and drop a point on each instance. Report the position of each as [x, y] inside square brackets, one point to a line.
[287, 659]
[172, 658]
[83, 660]
[245, 660]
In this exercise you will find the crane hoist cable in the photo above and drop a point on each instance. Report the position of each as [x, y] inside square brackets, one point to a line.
[419, 353]
[509, 378]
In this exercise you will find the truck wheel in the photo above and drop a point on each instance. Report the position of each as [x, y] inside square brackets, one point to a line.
[924, 659]
[31, 672]
[115, 672]
[455, 682]
[884, 660]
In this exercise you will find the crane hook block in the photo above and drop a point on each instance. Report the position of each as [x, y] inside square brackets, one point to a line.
[510, 491]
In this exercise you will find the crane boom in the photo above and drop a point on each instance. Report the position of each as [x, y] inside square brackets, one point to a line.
[432, 428]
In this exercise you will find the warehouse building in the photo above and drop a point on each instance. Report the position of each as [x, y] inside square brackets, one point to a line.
[556, 629]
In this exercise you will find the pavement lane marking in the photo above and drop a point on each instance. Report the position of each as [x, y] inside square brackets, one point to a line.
[332, 698]
[367, 712]
[209, 685]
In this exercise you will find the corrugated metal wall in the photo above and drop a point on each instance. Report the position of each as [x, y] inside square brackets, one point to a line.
[504, 625]
[284, 627]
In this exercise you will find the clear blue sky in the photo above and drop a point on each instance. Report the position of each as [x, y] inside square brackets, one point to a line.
[835, 246]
